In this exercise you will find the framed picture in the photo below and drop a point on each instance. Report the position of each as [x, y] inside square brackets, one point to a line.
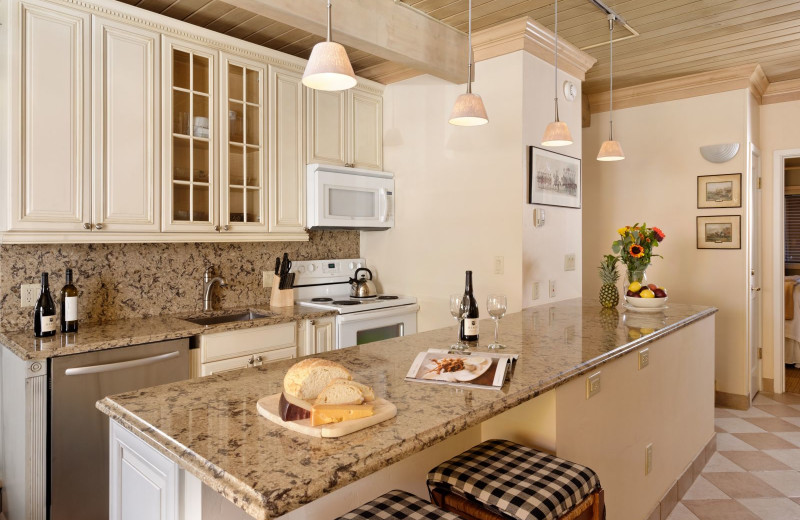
[554, 179]
[719, 232]
[719, 191]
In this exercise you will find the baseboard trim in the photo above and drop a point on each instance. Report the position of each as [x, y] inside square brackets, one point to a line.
[679, 488]
[735, 401]
[767, 385]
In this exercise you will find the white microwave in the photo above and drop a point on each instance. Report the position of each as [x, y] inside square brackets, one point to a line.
[349, 198]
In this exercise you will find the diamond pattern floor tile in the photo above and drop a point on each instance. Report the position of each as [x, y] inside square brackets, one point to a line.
[719, 510]
[702, 489]
[681, 512]
[754, 460]
[787, 482]
[768, 441]
[772, 508]
[730, 442]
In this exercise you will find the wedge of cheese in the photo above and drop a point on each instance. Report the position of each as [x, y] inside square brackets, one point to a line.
[334, 413]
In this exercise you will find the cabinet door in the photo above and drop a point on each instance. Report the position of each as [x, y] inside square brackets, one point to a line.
[189, 136]
[323, 334]
[327, 130]
[365, 120]
[253, 360]
[287, 173]
[243, 130]
[51, 187]
[125, 102]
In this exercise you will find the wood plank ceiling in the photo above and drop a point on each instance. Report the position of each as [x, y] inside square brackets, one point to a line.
[677, 37]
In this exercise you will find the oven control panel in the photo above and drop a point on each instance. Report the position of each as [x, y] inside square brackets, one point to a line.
[325, 271]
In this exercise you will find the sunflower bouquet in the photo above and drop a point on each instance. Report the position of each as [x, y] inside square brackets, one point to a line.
[635, 247]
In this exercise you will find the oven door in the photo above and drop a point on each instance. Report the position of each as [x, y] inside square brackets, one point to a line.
[359, 328]
[345, 200]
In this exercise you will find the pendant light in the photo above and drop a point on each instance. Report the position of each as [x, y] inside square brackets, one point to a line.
[557, 132]
[328, 67]
[468, 109]
[611, 150]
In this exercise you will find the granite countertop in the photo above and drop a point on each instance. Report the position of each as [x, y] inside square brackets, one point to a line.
[211, 428]
[122, 333]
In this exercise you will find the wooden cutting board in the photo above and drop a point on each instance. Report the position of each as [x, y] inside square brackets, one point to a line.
[268, 407]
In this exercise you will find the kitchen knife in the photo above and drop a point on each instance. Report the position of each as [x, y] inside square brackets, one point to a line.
[277, 265]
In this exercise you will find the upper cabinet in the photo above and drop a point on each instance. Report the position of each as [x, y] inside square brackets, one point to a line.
[127, 126]
[345, 128]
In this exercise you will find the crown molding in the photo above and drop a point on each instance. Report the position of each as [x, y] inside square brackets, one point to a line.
[781, 92]
[750, 77]
[529, 35]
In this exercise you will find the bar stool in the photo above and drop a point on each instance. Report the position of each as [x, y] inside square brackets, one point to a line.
[400, 505]
[502, 480]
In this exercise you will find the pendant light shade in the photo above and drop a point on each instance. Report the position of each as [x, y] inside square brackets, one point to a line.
[328, 67]
[468, 109]
[611, 150]
[557, 132]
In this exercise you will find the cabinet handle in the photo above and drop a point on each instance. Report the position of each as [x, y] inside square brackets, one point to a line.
[216, 228]
[251, 361]
[87, 225]
[312, 322]
[225, 228]
[260, 361]
[98, 226]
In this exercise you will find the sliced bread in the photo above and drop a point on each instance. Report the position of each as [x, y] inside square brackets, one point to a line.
[344, 391]
[306, 379]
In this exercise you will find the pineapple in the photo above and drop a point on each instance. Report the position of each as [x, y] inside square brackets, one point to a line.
[609, 295]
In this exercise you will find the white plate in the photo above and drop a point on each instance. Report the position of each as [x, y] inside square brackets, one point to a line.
[476, 365]
[645, 309]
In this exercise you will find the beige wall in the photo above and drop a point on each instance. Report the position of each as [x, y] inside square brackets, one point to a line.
[779, 131]
[461, 192]
[657, 183]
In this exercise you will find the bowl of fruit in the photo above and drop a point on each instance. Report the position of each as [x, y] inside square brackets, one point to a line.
[646, 296]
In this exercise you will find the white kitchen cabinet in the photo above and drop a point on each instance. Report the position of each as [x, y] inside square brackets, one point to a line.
[345, 128]
[317, 336]
[143, 483]
[125, 102]
[287, 193]
[254, 360]
[243, 348]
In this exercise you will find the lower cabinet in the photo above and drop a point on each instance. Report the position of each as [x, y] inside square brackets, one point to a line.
[245, 348]
[316, 336]
[253, 360]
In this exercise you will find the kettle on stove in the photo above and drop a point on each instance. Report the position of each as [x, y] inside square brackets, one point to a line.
[362, 287]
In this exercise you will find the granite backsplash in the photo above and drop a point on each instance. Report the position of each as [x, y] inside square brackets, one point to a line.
[120, 281]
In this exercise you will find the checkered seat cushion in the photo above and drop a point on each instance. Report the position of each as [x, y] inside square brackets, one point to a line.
[401, 505]
[516, 481]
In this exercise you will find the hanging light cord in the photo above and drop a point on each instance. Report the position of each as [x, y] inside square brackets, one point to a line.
[555, 75]
[469, 49]
[611, 74]
[329, 21]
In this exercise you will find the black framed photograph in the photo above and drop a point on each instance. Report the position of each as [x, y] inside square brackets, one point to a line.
[719, 232]
[554, 179]
[719, 191]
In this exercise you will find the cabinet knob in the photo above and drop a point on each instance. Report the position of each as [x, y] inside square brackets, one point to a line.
[312, 322]
[225, 228]
[216, 228]
[98, 226]
[87, 225]
[251, 361]
[259, 360]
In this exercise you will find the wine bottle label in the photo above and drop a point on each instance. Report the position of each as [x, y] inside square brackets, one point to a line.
[48, 323]
[71, 308]
[471, 327]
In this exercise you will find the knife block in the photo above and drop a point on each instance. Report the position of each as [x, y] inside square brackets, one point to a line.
[280, 298]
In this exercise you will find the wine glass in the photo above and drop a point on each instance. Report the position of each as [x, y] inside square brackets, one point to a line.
[459, 312]
[496, 305]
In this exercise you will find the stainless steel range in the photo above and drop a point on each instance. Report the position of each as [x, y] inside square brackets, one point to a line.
[326, 284]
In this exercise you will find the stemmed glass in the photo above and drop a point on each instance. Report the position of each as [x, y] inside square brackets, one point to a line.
[458, 311]
[496, 305]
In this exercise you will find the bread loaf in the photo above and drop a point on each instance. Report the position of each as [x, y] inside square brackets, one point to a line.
[343, 391]
[306, 379]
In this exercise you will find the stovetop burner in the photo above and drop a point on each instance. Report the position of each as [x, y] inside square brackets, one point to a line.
[321, 300]
[387, 297]
[346, 302]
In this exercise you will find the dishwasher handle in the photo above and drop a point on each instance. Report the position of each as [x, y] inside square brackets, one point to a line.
[110, 367]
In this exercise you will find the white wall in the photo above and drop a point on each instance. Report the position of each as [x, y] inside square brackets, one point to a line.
[461, 193]
[657, 183]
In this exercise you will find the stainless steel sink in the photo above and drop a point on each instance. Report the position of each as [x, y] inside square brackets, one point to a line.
[228, 318]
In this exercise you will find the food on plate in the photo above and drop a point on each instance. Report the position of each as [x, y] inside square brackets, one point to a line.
[637, 290]
[447, 365]
[323, 391]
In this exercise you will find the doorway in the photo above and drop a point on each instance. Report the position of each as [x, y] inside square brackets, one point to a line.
[786, 269]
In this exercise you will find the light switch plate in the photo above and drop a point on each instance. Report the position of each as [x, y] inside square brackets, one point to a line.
[644, 358]
[648, 459]
[552, 288]
[569, 262]
[29, 293]
[592, 385]
[499, 265]
[267, 277]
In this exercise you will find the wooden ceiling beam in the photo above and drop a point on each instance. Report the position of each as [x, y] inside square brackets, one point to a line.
[384, 28]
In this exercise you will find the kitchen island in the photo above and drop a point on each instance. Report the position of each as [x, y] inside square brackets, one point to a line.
[201, 439]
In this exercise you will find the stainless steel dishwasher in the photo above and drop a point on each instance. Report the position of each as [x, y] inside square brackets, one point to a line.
[78, 472]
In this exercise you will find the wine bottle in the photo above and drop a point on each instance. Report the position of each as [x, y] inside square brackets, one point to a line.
[44, 314]
[69, 305]
[469, 326]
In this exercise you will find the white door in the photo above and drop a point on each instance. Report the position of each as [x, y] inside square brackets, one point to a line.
[754, 310]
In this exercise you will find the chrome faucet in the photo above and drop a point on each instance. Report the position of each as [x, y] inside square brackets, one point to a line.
[209, 279]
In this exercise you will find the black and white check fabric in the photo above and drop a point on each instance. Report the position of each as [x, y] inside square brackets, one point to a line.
[401, 505]
[517, 481]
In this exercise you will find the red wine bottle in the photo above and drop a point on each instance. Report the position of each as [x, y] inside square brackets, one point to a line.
[469, 326]
[44, 314]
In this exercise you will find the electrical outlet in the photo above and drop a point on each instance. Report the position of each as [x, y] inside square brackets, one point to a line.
[648, 459]
[536, 290]
[499, 265]
[267, 277]
[552, 288]
[644, 358]
[29, 293]
[569, 262]
[592, 385]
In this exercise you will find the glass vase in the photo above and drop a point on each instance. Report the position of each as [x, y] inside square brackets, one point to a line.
[638, 275]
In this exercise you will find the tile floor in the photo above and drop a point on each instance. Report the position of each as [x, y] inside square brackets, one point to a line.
[755, 473]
